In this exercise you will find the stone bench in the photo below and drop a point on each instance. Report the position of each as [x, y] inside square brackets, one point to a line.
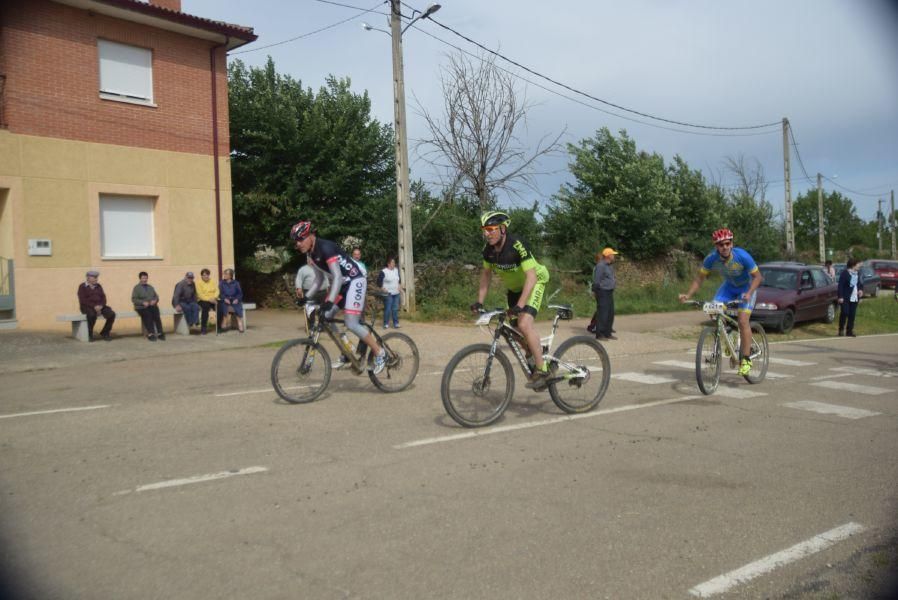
[79, 321]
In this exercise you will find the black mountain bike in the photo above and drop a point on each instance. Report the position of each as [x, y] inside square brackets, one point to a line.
[478, 382]
[301, 369]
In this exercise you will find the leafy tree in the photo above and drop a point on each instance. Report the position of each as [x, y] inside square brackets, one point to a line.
[700, 207]
[621, 198]
[755, 226]
[841, 225]
[300, 154]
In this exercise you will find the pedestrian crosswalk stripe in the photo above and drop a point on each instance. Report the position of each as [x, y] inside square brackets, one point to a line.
[790, 362]
[846, 412]
[869, 390]
[682, 364]
[737, 392]
[643, 378]
[866, 371]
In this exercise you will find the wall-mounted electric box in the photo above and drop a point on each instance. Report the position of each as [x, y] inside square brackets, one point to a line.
[40, 248]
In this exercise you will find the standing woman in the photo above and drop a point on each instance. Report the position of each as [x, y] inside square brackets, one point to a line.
[849, 296]
[146, 303]
[231, 299]
[388, 279]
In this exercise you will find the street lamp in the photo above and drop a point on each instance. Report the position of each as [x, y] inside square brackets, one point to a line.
[403, 201]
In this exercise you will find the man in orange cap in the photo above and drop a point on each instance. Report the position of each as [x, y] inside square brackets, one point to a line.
[603, 284]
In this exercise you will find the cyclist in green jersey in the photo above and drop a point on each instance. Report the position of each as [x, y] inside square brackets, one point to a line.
[525, 279]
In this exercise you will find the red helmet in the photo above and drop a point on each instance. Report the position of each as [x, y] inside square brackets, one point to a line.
[301, 231]
[721, 235]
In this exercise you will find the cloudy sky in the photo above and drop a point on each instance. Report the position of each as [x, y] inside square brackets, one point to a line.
[829, 66]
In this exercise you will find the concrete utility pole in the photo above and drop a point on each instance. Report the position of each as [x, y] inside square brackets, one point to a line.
[820, 216]
[892, 221]
[403, 201]
[879, 224]
[787, 176]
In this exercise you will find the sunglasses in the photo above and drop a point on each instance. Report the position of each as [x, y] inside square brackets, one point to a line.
[490, 228]
[724, 244]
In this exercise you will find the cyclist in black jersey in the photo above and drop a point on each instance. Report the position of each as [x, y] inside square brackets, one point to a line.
[526, 279]
[348, 284]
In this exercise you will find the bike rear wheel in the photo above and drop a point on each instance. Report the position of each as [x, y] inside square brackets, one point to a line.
[760, 356]
[584, 364]
[470, 396]
[300, 371]
[707, 360]
[402, 363]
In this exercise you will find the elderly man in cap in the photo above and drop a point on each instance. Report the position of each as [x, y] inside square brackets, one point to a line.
[184, 300]
[92, 300]
[603, 284]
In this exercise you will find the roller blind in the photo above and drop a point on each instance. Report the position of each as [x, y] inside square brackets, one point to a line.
[125, 70]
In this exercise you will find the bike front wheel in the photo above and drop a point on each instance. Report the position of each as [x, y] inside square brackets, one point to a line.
[402, 363]
[707, 360]
[300, 371]
[759, 354]
[476, 389]
[583, 363]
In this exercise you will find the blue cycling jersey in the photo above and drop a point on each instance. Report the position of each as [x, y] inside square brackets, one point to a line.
[736, 271]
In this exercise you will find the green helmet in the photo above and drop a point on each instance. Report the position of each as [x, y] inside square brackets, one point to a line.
[494, 217]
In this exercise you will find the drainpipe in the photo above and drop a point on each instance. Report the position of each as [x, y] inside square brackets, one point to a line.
[215, 152]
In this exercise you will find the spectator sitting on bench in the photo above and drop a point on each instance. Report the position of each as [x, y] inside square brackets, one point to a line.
[207, 293]
[92, 301]
[231, 300]
[146, 303]
[184, 300]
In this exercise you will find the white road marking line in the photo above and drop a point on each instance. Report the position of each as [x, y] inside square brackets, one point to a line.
[833, 376]
[869, 390]
[723, 583]
[790, 362]
[738, 392]
[192, 480]
[245, 392]
[482, 432]
[50, 412]
[682, 364]
[846, 412]
[866, 371]
[642, 378]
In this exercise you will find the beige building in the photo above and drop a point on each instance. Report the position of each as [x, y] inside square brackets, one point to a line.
[113, 151]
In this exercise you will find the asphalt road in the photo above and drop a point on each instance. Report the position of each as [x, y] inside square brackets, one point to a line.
[182, 475]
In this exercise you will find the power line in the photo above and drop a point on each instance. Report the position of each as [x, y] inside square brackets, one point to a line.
[587, 105]
[590, 96]
[311, 33]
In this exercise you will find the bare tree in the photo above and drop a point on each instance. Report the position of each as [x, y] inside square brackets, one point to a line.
[476, 138]
[750, 175]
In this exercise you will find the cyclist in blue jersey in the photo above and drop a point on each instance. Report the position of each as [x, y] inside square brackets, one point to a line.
[741, 281]
[347, 288]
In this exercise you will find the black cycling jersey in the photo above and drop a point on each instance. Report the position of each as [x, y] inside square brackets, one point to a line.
[326, 252]
[512, 261]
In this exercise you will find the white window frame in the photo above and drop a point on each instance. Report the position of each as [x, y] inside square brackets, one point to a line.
[127, 227]
[126, 72]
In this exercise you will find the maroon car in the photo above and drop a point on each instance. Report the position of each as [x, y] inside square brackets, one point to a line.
[794, 292]
[887, 271]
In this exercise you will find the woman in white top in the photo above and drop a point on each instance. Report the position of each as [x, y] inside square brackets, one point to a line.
[388, 280]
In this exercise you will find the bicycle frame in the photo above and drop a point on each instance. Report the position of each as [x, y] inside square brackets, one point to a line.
[722, 313]
[515, 340]
[316, 325]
